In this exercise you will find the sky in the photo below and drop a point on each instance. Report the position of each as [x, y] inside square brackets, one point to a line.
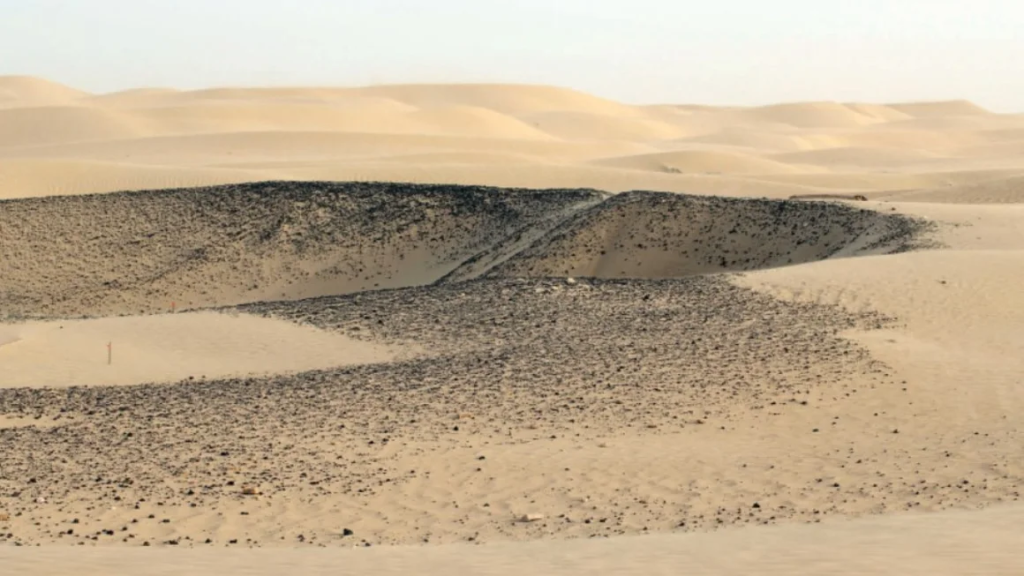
[734, 52]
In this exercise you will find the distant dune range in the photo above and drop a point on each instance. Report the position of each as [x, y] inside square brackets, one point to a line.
[58, 140]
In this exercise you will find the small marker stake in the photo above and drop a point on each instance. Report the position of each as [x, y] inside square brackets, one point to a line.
[110, 353]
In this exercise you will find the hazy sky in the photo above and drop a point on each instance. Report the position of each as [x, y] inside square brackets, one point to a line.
[643, 51]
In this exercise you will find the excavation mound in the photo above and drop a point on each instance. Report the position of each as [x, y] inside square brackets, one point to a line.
[139, 252]
[143, 252]
[653, 235]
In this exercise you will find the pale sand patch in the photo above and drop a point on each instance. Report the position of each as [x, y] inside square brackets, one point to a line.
[958, 338]
[942, 544]
[169, 348]
[962, 314]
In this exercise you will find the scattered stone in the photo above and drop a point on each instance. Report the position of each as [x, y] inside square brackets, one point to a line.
[531, 517]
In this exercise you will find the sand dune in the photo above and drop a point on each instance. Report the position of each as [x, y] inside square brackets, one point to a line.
[68, 176]
[946, 108]
[450, 133]
[476, 121]
[27, 127]
[29, 91]
[890, 182]
[995, 191]
[574, 125]
[851, 157]
[763, 141]
[997, 153]
[508, 169]
[506, 99]
[266, 148]
[701, 162]
[910, 141]
[962, 123]
[880, 112]
[809, 115]
[218, 117]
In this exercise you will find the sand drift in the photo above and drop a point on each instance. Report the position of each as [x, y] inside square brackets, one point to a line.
[141, 252]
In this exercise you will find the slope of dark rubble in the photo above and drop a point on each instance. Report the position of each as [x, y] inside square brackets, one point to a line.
[141, 252]
[655, 235]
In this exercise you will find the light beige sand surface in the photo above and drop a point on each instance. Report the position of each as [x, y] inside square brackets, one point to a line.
[169, 348]
[58, 140]
[954, 543]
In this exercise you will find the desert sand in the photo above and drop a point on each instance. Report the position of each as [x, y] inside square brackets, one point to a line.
[508, 329]
[58, 140]
[911, 544]
[169, 348]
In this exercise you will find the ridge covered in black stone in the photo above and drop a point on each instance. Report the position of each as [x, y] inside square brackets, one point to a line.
[660, 235]
[139, 252]
[135, 252]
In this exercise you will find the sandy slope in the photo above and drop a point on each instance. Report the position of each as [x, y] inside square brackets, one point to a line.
[947, 544]
[57, 140]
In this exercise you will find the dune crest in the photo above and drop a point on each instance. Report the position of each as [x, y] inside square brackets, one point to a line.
[31, 91]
